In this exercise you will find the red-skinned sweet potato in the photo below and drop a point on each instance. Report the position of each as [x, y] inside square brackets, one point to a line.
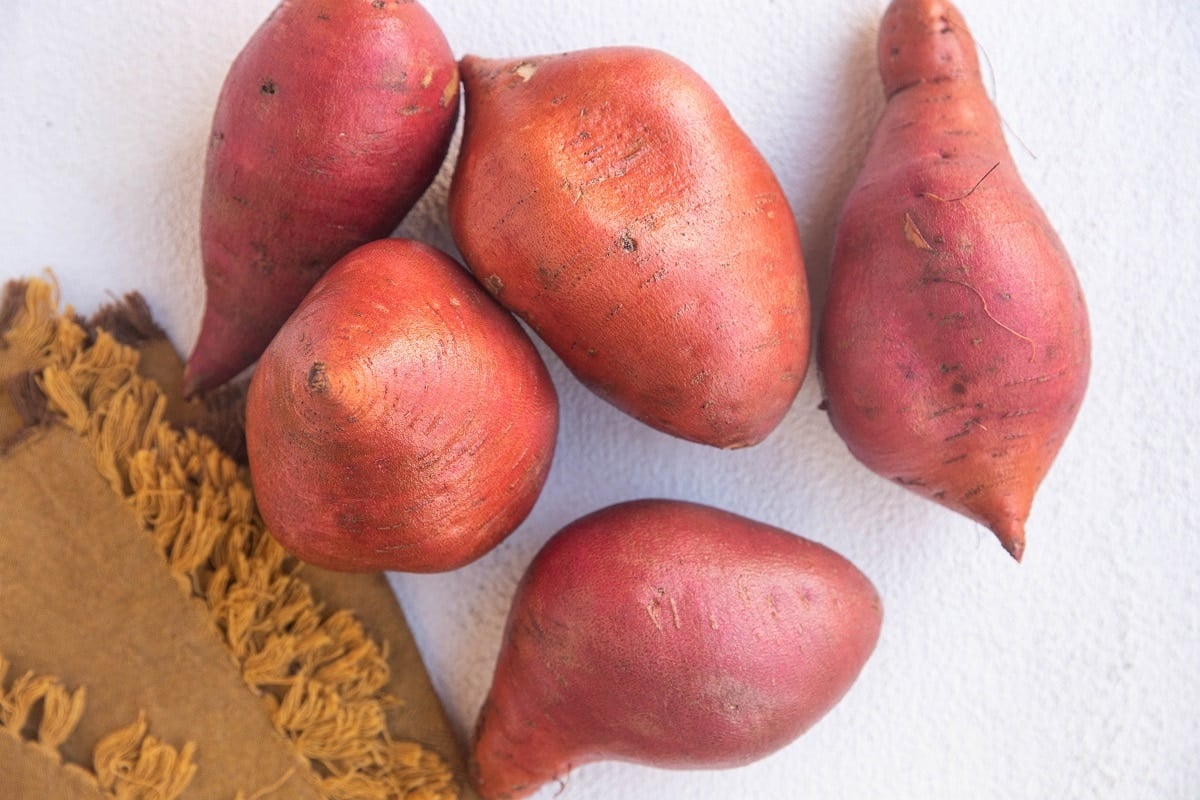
[332, 122]
[401, 419]
[609, 199]
[670, 634]
[954, 346]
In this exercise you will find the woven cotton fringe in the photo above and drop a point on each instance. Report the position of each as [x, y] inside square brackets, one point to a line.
[129, 763]
[322, 677]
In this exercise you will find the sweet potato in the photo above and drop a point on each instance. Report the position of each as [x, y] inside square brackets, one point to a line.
[331, 124]
[954, 346]
[609, 199]
[670, 634]
[401, 419]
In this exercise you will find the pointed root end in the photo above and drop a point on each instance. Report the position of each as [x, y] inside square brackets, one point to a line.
[1011, 533]
[196, 379]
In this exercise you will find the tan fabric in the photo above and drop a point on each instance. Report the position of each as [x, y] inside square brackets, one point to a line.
[32, 771]
[157, 642]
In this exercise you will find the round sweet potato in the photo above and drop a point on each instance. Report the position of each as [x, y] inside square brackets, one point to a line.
[401, 419]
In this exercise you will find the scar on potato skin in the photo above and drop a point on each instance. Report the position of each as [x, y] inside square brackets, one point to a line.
[913, 234]
[317, 380]
[450, 92]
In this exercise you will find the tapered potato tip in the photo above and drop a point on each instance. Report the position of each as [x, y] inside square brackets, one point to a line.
[1011, 533]
[224, 347]
[201, 373]
[1004, 514]
[197, 377]
[923, 41]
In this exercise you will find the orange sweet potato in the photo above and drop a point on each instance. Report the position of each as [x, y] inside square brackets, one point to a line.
[954, 346]
[401, 419]
[332, 122]
[609, 199]
[671, 634]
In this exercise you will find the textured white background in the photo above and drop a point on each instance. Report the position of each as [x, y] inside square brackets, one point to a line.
[1074, 675]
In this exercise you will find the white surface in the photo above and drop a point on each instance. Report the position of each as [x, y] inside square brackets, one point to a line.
[1074, 675]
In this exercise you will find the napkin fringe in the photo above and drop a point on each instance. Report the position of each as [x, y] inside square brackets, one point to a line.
[320, 675]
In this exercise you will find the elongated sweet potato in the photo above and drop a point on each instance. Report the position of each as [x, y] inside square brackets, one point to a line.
[671, 634]
[401, 419]
[609, 199]
[332, 122]
[954, 346]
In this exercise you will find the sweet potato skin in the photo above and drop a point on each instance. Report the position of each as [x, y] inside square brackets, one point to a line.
[332, 122]
[401, 419]
[608, 198]
[954, 346]
[671, 634]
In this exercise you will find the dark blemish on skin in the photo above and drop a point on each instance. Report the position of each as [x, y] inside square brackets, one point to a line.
[350, 521]
[900, 479]
[378, 3]
[268, 87]
[548, 278]
[262, 258]
[627, 242]
[955, 459]
[494, 284]
[958, 388]
[941, 412]
[318, 381]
